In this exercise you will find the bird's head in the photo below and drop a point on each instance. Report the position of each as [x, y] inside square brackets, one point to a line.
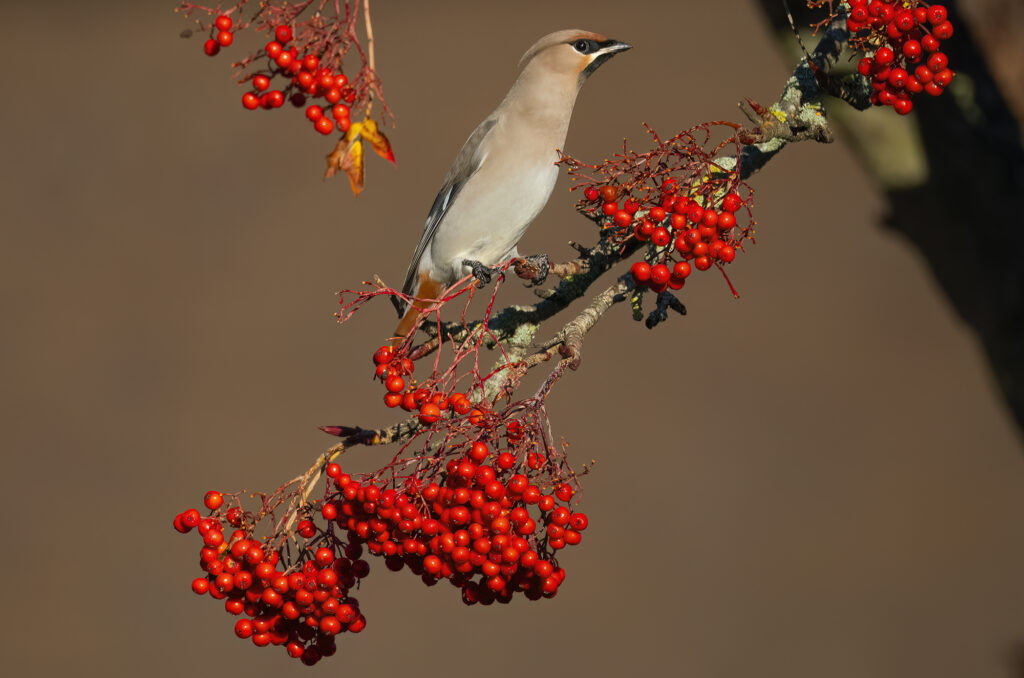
[573, 52]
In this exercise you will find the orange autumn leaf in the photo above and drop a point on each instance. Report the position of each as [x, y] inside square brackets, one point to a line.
[377, 139]
[352, 165]
[347, 155]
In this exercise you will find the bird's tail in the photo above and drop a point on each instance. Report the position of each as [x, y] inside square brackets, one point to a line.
[426, 293]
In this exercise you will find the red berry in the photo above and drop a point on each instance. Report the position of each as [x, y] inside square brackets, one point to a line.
[936, 15]
[944, 31]
[213, 500]
[283, 34]
[943, 78]
[243, 628]
[274, 49]
[565, 491]
[314, 113]
[727, 253]
[211, 47]
[261, 82]
[912, 50]
[200, 585]
[623, 218]
[898, 78]
[609, 193]
[884, 56]
[191, 518]
[591, 194]
[225, 38]
[394, 384]
[429, 413]
[681, 270]
[702, 263]
[641, 271]
[250, 101]
[660, 274]
[731, 203]
[644, 230]
[903, 106]
[905, 20]
[660, 236]
[937, 62]
[223, 23]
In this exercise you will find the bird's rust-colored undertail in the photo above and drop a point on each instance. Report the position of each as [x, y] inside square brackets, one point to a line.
[426, 293]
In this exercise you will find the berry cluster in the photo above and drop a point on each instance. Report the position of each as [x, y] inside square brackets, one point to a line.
[220, 35]
[395, 370]
[905, 36]
[302, 607]
[308, 79]
[475, 527]
[700, 229]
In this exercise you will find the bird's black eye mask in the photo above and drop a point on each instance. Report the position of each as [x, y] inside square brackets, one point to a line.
[585, 46]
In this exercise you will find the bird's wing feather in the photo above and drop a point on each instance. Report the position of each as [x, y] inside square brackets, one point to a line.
[466, 164]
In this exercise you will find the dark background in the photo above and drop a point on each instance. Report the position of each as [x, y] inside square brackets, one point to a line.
[818, 479]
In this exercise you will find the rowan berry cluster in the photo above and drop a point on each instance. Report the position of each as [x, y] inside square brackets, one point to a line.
[301, 606]
[490, 521]
[681, 201]
[904, 37]
[305, 79]
[486, 528]
[682, 229]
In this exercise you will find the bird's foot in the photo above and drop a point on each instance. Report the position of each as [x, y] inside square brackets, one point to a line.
[483, 274]
[534, 268]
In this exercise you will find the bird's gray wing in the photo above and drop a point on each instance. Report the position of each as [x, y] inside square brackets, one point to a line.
[466, 164]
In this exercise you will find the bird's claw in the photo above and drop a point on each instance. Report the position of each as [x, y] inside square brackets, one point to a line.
[483, 274]
[534, 269]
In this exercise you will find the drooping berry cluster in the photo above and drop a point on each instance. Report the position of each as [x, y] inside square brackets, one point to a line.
[905, 37]
[485, 528]
[301, 606]
[306, 79]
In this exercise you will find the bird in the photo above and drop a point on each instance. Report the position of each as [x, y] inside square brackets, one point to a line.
[505, 172]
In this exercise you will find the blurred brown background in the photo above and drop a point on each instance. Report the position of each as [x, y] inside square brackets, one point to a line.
[816, 480]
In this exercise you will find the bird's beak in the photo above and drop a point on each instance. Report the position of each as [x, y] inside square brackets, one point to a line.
[613, 47]
[608, 49]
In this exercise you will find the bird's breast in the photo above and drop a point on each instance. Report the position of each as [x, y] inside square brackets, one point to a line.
[494, 208]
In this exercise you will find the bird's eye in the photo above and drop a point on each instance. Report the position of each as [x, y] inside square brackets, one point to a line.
[582, 46]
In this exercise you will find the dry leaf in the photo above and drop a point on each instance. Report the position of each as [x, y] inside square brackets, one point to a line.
[352, 165]
[347, 155]
[377, 140]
